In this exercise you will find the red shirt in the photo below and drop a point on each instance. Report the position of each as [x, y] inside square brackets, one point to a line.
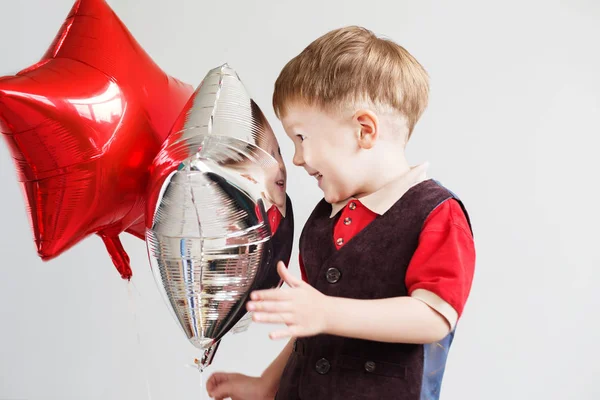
[441, 271]
[274, 216]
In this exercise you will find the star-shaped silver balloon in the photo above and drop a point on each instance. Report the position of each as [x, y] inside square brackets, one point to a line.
[208, 236]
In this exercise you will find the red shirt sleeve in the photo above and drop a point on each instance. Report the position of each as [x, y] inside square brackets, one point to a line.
[444, 262]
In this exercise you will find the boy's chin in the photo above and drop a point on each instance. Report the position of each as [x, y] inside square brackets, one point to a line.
[279, 200]
[337, 194]
[332, 198]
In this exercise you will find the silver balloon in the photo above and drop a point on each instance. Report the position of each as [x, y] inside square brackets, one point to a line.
[208, 237]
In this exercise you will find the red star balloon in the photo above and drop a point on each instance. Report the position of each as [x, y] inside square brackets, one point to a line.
[83, 125]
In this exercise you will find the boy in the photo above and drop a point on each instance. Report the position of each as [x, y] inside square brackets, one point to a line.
[387, 258]
[277, 203]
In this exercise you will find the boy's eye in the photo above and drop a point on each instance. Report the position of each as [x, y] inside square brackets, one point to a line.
[301, 137]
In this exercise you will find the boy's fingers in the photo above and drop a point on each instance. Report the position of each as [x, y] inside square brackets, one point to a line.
[284, 318]
[287, 277]
[217, 385]
[212, 381]
[270, 294]
[269, 306]
[281, 334]
[221, 392]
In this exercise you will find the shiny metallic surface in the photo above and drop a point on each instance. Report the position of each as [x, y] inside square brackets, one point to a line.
[208, 237]
[83, 126]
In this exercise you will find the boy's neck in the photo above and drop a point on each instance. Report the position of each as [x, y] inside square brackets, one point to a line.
[383, 173]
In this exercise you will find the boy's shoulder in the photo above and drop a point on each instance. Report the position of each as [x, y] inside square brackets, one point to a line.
[322, 209]
[425, 191]
[449, 211]
[428, 195]
[429, 189]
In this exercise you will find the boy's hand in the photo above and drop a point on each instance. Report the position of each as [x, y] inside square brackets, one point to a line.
[222, 385]
[301, 307]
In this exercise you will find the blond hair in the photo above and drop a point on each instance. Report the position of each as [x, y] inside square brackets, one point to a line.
[351, 66]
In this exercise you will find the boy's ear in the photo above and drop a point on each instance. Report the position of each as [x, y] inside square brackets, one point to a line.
[369, 128]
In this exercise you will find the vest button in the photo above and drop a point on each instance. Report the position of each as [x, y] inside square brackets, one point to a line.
[333, 275]
[352, 206]
[323, 366]
[369, 366]
[339, 241]
[347, 221]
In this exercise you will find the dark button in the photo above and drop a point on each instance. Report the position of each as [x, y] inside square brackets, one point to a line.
[323, 366]
[333, 275]
[347, 221]
[369, 366]
[352, 206]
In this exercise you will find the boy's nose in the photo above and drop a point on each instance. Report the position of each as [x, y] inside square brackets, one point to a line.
[298, 160]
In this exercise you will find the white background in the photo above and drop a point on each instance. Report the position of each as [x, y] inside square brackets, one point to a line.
[512, 127]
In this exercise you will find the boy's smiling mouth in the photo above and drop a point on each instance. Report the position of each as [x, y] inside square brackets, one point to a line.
[318, 176]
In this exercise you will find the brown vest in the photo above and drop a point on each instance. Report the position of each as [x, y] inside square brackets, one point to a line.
[371, 265]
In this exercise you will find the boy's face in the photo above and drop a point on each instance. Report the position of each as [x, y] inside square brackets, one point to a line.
[326, 146]
[276, 177]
